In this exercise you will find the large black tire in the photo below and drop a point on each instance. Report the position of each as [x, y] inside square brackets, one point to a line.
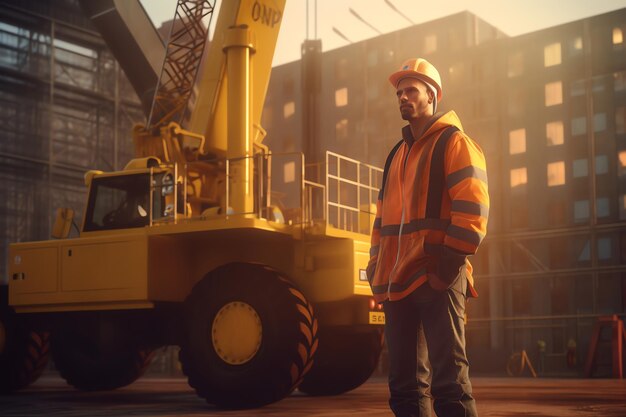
[23, 353]
[287, 342]
[84, 365]
[345, 359]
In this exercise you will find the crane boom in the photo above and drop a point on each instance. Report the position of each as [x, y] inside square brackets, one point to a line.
[209, 115]
[185, 46]
[133, 40]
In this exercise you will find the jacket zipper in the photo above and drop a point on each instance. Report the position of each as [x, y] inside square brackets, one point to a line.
[406, 159]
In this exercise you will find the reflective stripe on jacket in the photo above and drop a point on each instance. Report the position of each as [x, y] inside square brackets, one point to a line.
[406, 242]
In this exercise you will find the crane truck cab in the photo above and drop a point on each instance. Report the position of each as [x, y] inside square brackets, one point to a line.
[199, 242]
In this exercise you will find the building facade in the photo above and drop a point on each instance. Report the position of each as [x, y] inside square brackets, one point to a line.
[549, 110]
[65, 108]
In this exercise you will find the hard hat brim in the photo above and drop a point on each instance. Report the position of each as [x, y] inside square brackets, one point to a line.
[395, 78]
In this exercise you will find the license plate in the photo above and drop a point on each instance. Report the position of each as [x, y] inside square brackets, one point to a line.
[377, 317]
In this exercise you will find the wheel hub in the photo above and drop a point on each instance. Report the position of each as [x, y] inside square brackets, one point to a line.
[236, 333]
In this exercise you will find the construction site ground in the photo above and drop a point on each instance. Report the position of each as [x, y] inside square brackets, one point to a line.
[150, 396]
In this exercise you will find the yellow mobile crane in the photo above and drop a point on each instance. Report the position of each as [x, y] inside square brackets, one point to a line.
[199, 242]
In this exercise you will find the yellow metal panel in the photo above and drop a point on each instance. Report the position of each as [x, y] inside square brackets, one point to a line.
[98, 265]
[104, 272]
[72, 272]
[68, 300]
[169, 260]
[33, 269]
[324, 269]
[210, 250]
[84, 307]
[222, 223]
[362, 290]
[361, 258]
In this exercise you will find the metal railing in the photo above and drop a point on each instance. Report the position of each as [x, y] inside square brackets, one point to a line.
[283, 194]
[352, 188]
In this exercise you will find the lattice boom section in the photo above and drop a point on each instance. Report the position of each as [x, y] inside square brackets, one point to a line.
[182, 59]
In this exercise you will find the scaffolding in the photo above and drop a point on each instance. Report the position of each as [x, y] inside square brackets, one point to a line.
[65, 108]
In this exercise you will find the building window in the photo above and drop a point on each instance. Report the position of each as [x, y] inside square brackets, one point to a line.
[577, 88]
[621, 163]
[552, 55]
[556, 173]
[71, 47]
[580, 168]
[554, 93]
[619, 81]
[602, 207]
[341, 129]
[599, 122]
[602, 164]
[515, 65]
[604, 248]
[581, 211]
[289, 172]
[620, 119]
[289, 109]
[585, 253]
[519, 177]
[341, 97]
[579, 126]
[430, 44]
[517, 141]
[618, 36]
[554, 133]
[576, 45]
[597, 84]
[622, 207]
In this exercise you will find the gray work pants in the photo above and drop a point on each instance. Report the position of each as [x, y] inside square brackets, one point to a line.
[441, 316]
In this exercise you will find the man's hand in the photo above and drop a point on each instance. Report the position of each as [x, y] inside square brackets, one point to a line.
[436, 283]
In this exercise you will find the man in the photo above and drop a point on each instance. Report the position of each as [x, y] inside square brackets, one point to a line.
[431, 215]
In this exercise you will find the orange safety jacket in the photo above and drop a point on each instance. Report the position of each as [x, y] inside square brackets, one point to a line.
[431, 211]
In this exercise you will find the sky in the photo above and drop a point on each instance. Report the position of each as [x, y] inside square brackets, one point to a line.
[513, 17]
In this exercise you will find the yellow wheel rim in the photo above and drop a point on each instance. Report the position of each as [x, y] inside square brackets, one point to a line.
[237, 333]
[3, 337]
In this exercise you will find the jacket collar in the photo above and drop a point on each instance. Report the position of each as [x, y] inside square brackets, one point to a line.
[407, 134]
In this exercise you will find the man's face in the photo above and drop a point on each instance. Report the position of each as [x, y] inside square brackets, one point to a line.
[414, 99]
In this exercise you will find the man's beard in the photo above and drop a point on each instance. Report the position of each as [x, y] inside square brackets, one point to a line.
[408, 113]
[412, 113]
